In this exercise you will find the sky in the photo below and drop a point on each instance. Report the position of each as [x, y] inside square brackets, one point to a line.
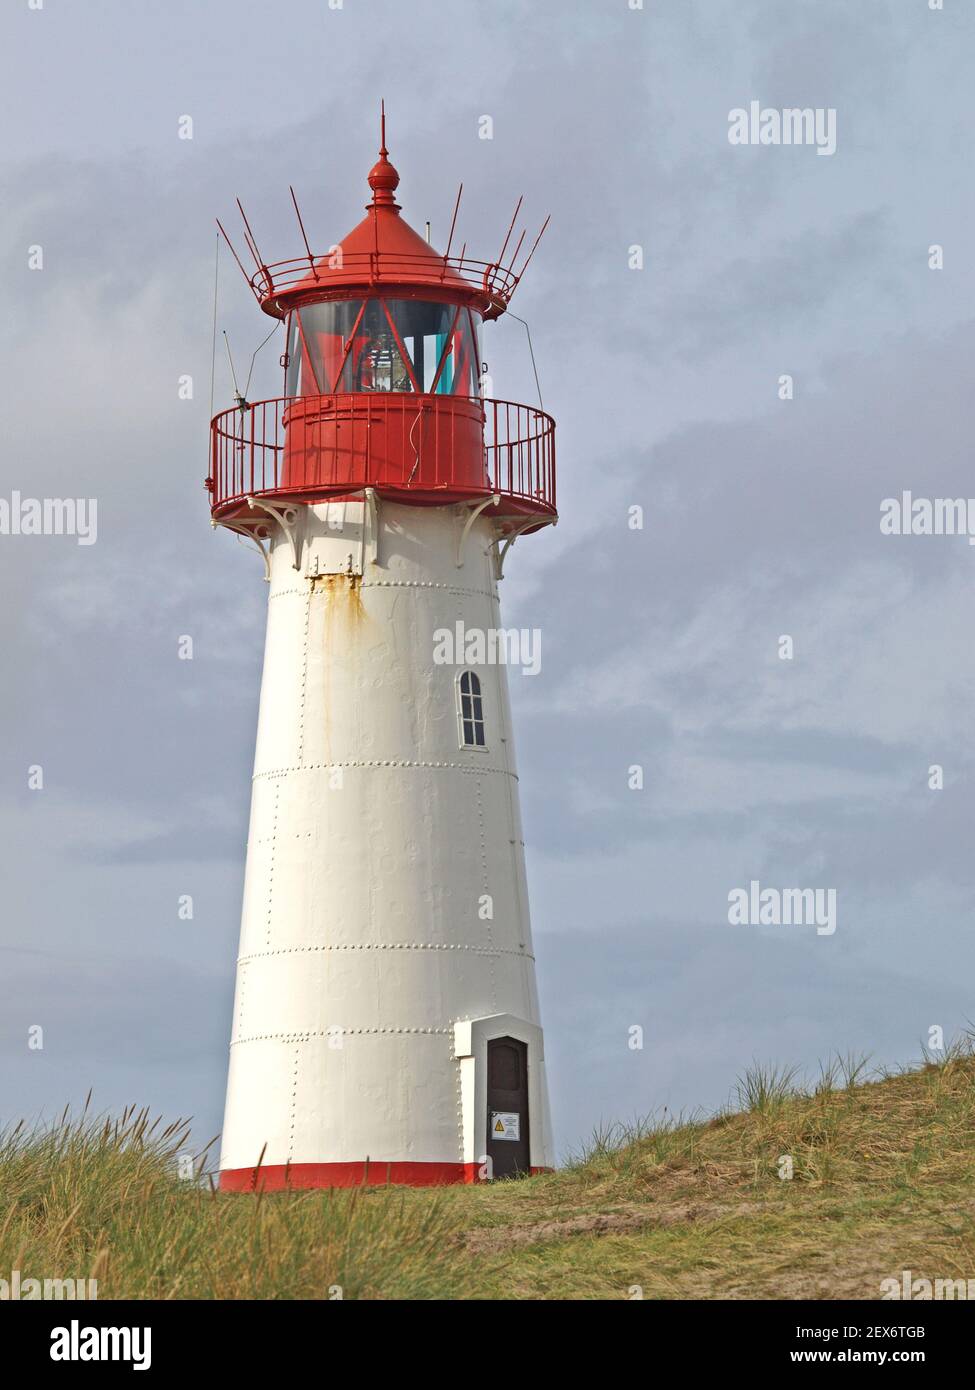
[681, 278]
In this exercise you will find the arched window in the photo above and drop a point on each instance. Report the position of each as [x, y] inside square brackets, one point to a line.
[471, 710]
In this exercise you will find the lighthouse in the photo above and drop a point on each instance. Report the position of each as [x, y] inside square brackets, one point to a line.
[386, 1022]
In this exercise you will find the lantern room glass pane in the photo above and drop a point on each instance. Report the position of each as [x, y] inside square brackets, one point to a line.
[458, 351]
[376, 361]
[423, 328]
[397, 345]
[293, 351]
[439, 343]
[325, 330]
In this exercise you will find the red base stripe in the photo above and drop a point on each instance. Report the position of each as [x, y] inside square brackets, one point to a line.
[276, 1177]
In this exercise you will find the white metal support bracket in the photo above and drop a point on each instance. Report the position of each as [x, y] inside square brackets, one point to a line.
[249, 533]
[501, 550]
[288, 519]
[370, 521]
[474, 511]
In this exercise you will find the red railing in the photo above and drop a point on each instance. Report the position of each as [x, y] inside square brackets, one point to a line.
[426, 449]
[487, 278]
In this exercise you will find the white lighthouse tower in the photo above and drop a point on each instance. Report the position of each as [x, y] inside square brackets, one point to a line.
[386, 1023]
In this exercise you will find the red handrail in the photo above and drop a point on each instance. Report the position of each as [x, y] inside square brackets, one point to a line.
[422, 448]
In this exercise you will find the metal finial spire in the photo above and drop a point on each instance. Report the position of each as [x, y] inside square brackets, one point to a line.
[383, 178]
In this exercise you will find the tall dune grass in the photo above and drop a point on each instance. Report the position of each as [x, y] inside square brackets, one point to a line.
[100, 1198]
[880, 1177]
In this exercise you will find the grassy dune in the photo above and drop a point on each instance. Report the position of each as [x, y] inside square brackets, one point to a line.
[883, 1179]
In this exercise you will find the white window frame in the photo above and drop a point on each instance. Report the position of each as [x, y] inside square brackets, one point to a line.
[459, 701]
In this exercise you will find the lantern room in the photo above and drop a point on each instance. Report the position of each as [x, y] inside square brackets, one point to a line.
[382, 344]
[383, 375]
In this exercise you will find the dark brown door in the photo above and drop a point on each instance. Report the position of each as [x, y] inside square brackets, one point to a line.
[507, 1106]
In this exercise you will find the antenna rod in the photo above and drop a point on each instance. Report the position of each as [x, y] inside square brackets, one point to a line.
[250, 246]
[532, 251]
[514, 254]
[453, 224]
[250, 239]
[311, 258]
[238, 260]
[213, 350]
[510, 230]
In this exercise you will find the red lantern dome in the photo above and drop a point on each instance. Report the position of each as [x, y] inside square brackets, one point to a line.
[382, 250]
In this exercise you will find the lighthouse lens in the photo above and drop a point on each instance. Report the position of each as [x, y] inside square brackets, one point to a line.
[439, 341]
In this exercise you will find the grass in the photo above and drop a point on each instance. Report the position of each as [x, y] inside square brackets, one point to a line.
[882, 1180]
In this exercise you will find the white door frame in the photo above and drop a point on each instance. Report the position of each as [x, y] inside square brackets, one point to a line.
[471, 1038]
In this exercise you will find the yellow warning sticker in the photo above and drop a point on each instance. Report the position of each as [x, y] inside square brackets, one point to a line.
[505, 1124]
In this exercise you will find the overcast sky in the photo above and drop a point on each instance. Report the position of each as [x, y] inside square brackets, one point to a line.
[660, 646]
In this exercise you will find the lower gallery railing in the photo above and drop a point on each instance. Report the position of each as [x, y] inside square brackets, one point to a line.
[434, 448]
